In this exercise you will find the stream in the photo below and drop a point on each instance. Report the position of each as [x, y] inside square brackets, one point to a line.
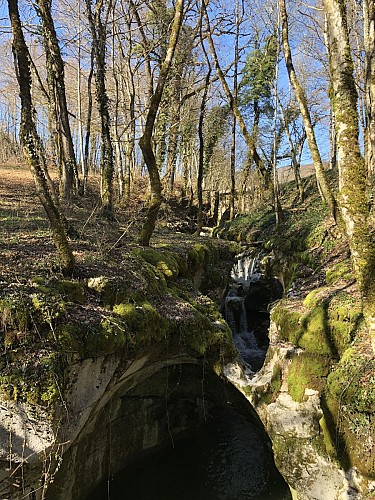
[222, 461]
[246, 310]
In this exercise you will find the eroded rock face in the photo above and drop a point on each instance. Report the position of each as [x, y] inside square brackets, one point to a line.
[151, 403]
[303, 448]
[116, 413]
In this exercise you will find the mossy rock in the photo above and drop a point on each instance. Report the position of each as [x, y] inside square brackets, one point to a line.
[329, 443]
[106, 338]
[313, 298]
[164, 260]
[270, 395]
[37, 381]
[199, 256]
[69, 337]
[15, 312]
[206, 333]
[341, 271]
[307, 371]
[70, 291]
[110, 290]
[344, 319]
[288, 323]
[143, 321]
[350, 406]
[315, 335]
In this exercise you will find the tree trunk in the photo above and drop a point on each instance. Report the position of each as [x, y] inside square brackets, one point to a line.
[305, 113]
[369, 39]
[98, 33]
[145, 142]
[58, 103]
[31, 141]
[234, 120]
[351, 165]
[173, 132]
[201, 162]
[116, 70]
[88, 122]
[276, 140]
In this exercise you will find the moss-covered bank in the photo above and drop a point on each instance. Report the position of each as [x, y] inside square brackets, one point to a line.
[152, 296]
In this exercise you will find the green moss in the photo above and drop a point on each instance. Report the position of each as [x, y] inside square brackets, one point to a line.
[307, 371]
[72, 291]
[69, 337]
[312, 299]
[287, 323]
[327, 439]
[342, 270]
[35, 382]
[15, 312]
[314, 338]
[143, 321]
[48, 308]
[206, 333]
[164, 260]
[110, 290]
[344, 318]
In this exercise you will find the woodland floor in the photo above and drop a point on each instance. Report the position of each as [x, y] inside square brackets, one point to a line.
[26, 248]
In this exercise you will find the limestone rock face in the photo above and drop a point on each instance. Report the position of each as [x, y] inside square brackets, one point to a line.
[303, 451]
[115, 413]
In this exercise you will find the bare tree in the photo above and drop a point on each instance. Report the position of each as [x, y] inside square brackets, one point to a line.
[145, 141]
[305, 113]
[97, 22]
[253, 153]
[57, 100]
[31, 142]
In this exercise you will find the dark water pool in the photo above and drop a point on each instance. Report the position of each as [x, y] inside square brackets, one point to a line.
[226, 459]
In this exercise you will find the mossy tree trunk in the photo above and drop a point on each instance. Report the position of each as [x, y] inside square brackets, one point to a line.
[145, 142]
[369, 39]
[58, 104]
[353, 199]
[97, 24]
[305, 113]
[30, 139]
[201, 160]
[174, 130]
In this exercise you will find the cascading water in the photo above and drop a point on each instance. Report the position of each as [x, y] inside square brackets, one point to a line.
[243, 270]
[248, 286]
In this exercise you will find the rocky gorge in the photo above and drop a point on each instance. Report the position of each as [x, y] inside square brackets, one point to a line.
[104, 371]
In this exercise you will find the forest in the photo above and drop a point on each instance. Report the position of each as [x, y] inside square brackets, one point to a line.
[151, 129]
[204, 100]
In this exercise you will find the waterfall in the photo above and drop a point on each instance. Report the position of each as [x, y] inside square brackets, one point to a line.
[244, 272]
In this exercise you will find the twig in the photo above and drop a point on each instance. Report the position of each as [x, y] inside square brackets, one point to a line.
[90, 216]
[123, 234]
